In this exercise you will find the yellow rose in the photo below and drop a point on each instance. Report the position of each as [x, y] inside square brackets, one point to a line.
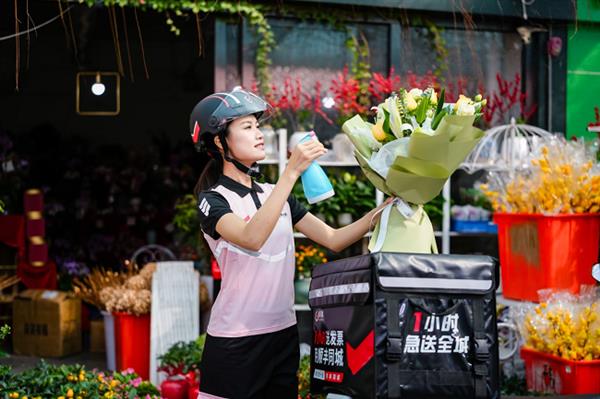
[433, 98]
[377, 131]
[70, 393]
[411, 104]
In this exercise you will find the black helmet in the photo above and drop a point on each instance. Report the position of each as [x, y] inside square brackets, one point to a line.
[212, 114]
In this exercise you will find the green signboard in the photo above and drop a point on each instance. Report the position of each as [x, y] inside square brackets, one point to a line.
[583, 71]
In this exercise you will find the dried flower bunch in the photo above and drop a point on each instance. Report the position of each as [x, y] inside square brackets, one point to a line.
[88, 288]
[562, 179]
[566, 326]
[128, 291]
[133, 296]
[8, 281]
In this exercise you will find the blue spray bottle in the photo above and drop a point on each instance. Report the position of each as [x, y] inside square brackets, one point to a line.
[315, 182]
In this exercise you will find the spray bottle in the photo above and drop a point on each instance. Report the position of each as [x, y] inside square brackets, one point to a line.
[317, 186]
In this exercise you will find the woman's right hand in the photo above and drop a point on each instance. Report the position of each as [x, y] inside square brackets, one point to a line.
[303, 155]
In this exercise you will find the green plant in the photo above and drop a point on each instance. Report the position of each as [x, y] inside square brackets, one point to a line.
[72, 381]
[438, 44]
[4, 331]
[353, 195]
[182, 357]
[307, 256]
[435, 210]
[185, 220]
[304, 380]
[475, 197]
[304, 377]
[328, 209]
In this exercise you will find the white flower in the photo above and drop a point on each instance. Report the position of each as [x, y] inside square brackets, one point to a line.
[465, 108]
[416, 92]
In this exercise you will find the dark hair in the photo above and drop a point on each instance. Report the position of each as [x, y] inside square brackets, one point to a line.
[214, 168]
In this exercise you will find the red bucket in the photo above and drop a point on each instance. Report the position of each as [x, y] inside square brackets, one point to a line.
[554, 375]
[132, 340]
[538, 251]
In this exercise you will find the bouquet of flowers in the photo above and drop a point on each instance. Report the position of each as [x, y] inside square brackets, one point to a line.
[415, 144]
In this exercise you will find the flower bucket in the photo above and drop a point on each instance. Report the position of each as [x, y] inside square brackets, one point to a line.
[538, 252]
[132, 335]
[551, 374]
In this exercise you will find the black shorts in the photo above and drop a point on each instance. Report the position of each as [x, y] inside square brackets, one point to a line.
[258, 366]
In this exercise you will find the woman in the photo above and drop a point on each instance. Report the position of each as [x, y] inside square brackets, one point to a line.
[252, 348]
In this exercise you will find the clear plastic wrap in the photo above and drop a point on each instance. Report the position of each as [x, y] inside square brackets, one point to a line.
[561, 178]
[563, 324]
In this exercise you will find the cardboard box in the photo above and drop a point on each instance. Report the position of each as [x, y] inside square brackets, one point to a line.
[46, 323]
[97, 336]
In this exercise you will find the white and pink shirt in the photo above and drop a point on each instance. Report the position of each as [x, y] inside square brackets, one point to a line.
[257, 288]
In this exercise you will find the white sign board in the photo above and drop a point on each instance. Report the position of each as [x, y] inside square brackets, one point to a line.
[175, 312]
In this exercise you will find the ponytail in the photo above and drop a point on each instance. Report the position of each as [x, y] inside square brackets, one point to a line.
[214, 168]
[209, 176]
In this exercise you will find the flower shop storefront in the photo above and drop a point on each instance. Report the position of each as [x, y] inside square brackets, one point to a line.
[457, 111]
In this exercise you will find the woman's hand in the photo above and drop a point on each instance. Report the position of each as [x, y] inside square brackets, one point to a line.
[302, 156]
[376, 212]
[338, 239]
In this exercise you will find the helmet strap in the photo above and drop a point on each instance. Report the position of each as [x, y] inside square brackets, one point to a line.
[251, 171]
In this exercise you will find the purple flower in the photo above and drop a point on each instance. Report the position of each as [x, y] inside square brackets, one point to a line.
[74, 268]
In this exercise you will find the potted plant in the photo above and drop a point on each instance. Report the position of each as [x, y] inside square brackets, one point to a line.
[73, 381]
[307, 256]
[354, 198]
[188, 234]
[181, 363]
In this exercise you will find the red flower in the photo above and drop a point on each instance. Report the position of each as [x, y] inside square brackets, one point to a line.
[346, 90]
[381, 87]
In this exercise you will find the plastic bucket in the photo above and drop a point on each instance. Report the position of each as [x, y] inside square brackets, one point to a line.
[538, 251]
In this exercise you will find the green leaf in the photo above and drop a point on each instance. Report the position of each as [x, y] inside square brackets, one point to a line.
[386, 122]
[440, 103]
[421, 111]
[438, 119]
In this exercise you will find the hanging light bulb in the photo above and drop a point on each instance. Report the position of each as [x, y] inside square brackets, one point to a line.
[98, 87]
[328, 102]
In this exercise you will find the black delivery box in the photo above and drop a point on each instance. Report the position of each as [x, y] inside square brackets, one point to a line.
[393, 325]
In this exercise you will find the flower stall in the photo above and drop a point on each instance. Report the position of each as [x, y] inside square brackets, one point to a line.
[548, 217]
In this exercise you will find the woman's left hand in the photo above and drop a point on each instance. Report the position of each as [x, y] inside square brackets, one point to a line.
[376, 212]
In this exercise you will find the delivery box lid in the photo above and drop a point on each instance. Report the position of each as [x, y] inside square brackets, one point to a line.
[465, 274]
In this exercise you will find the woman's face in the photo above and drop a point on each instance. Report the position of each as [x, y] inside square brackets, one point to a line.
[245, 141]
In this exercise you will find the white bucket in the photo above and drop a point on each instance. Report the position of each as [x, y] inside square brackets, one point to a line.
[109, 338]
